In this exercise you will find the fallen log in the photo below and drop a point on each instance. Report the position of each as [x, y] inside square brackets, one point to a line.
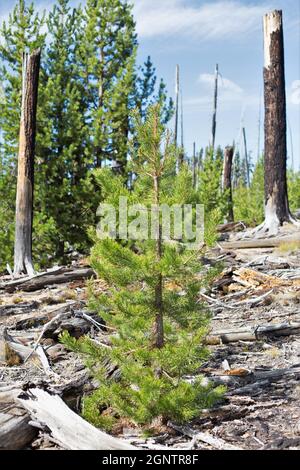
[58, 276]
[12, 352]
[261, 380]
[252, 278]
[253, 334]
[39, 320]
[67, 428]
[18, 309]
[259, 242]
[231, 227]
[15, 430]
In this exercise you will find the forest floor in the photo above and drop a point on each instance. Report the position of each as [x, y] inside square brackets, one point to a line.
[254, 343]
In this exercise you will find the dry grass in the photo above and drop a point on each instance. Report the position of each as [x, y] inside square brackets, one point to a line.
[273, 352]
[288, 247]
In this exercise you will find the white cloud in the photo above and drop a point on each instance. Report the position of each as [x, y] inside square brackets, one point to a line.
[294, 97]
[224, 83]
[210, 20]
[229, 94]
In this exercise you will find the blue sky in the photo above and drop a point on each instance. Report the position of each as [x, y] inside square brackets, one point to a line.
[197, 34]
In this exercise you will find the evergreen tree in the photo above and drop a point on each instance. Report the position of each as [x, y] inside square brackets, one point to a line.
[145, 94]
[63, 191]
[152, 305]
[89, 85]
[210, 193]
[249, 202]
[106, 54]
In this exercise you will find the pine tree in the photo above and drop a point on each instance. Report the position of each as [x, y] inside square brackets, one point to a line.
[249, 202]
[107, 47]
[64, 144]
[145, 94]
[152, 304]
[210, 194]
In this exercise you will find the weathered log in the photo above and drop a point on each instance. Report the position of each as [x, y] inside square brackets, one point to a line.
[231, 227]
[69, 429]
[59, 276]
[253, 334]
[41, 319]
[260, 243]
[11, 351]
[15, 431]
[18, 309]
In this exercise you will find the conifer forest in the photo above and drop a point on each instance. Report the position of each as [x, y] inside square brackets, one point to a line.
[149, 257]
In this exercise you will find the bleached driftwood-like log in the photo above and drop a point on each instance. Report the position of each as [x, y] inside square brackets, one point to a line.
[253, 334]
[15, 431]
[58, 276]
[259, 242]
[69, 429]
[12, 352]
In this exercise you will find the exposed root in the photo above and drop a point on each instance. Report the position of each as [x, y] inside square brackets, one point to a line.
[269, 228]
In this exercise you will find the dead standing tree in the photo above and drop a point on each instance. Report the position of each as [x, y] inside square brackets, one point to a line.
[227, 180]
[24, 200]
[176, 104]
[214, 119]
[246, 158]
[275, 155]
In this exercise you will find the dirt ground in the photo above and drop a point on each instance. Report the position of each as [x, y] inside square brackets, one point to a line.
[261, 409]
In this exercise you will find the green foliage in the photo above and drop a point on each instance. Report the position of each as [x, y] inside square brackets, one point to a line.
[249, 202]
[294, 189]
[153, 376]
[89, 84]
[210, 193]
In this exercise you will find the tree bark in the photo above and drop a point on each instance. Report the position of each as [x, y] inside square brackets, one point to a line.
[24, 201]
[227, 184]
[276, 198]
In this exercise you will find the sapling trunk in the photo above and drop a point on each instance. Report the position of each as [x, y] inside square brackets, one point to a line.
[159, 320]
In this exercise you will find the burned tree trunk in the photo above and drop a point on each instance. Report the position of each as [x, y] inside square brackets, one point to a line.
[176, 105]
[227, 184]
[276, 199]
[194, 166]
[246, 158]
[214, 120]
[24, 201]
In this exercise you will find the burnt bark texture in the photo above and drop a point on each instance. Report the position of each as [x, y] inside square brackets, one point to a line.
[276, 198]
[24, 200]
[227, 181]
